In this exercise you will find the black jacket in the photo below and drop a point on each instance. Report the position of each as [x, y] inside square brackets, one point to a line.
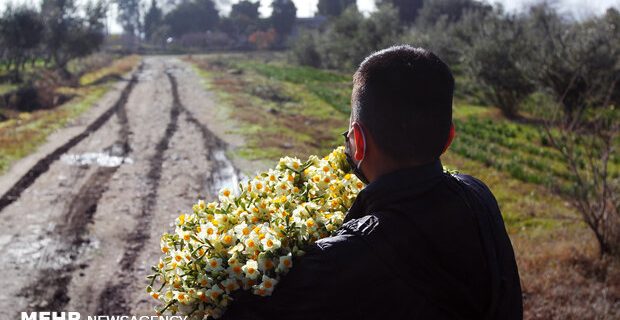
[418, 243]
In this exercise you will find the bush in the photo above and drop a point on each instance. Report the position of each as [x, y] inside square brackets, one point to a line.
[27, 98]
[305, 50]
[348, 39]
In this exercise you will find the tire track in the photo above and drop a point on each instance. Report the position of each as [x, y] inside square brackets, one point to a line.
[49, 290]
[112, 300]
[44, 164]
[223, 172]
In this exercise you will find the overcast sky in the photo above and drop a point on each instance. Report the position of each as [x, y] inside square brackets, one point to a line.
[307, 8]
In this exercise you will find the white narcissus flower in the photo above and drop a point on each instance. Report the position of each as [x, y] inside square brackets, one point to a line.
[208, 231]
[249, 239]
[270, 243]
[252, 244]
[235, 270]
[225, 194]
[229, 238]
[221, 220]
[214, 265]
[230, 285]
[242, 230]
[182, 297]
[286, 262]
[264, 263]
[178, 257]
[265, 288]
[251, 269]
[214, 293]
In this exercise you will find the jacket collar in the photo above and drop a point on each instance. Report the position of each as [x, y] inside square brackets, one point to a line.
[390, 187]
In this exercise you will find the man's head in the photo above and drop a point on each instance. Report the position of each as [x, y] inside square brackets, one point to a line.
[402, 106]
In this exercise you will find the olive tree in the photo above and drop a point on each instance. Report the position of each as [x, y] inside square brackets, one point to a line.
[579, 64]
[21, 33]
[69, 34]
[492, 56]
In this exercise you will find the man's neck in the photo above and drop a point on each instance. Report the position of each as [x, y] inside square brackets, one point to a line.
[377, 167]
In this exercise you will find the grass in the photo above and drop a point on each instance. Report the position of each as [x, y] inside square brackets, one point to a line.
[277, 116]
[283, 109]
[5, 87]
[24, 132]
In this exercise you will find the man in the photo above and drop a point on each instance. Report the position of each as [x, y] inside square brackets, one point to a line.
[418, 243]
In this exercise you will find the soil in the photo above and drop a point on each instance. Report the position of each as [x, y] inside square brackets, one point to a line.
[81, 236]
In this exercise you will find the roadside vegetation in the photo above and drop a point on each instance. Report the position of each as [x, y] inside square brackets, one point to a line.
[21, 132]
[282, 108]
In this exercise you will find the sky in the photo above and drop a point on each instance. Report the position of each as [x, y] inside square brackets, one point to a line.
[306, 8]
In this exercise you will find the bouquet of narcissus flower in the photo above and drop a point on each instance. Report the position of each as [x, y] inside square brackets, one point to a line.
[246, 241]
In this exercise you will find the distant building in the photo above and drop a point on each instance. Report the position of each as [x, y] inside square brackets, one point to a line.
[311, 23]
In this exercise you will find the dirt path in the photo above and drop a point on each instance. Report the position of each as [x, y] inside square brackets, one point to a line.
[80, 230]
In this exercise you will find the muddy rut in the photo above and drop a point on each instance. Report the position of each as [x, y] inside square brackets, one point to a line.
[80, 230]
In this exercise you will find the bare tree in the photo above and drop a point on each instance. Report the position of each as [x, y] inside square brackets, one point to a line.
[588, 143]
[587, 148]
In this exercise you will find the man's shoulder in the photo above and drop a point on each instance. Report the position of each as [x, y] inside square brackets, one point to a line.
[472, 182]
[354, 238]
[350, 234]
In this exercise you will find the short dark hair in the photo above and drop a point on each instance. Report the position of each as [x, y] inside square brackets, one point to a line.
[403, 96]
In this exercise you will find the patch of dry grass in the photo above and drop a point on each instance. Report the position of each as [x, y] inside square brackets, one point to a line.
[23, 132]
[564, 278]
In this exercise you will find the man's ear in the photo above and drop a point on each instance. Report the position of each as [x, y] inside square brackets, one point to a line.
[360, 143]
[450, 137]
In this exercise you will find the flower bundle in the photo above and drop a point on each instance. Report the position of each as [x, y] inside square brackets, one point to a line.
[246, 241]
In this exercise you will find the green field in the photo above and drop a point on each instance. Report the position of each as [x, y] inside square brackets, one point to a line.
[283, 109]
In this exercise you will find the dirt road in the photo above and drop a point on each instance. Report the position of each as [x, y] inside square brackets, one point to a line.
[80, 228]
